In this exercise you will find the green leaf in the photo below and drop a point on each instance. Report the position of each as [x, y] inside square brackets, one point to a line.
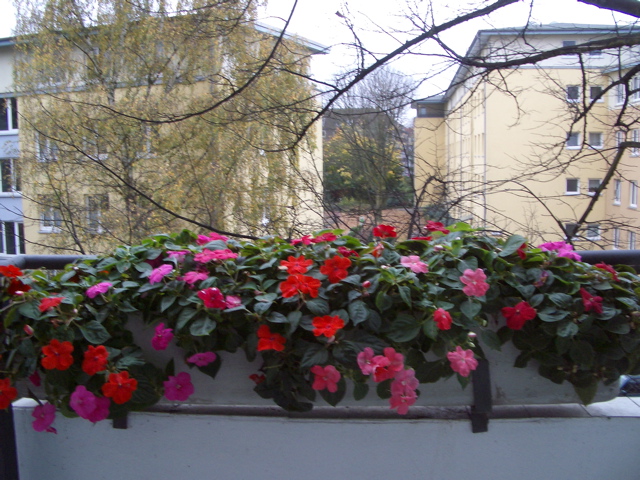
[582, 353]
[568, 329]
[166, 302]
[29, 310]
[384, 389]
[124, 265]
[430, 329]
[294, 320]
[470, 309]
[383, 301]
[405, 294]
[202, 326]
[318, 306]
[490, 339]
[551, 314]
[277, 317]
[185, 315]
[261, 307]
[334, 398]
[314, 354]
[587, 393]
[562, 300]
[512, 244]
[360, 390]
[358, 312]
[404, 328]
[94, 332]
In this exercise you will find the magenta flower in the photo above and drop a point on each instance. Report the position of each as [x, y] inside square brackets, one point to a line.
[162, 337]
[325, 377]
[101, 412]
[44, 416]
[99, 288]
[204, 239]
[178, 388]
[414, 263]
[232, 301]
[212, 298]
[157, 274]
[475, 282]
[404, 380]
[178, 254]
[563, 249]
[202, 359]
[35, 378]
[193, 277]
[214, 255]
[83, 402]
[462, 361]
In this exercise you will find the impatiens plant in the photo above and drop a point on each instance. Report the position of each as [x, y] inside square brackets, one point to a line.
[319, 313]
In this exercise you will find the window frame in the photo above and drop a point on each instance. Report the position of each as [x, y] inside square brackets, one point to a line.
[96, 205]
[617, 191]
[571, 135]
[599, 144]
[633, 194]
[14, 183]
[590, 190]
[589, 232]
[631, 238]
[599, 96]
[566, 186]
[577, 96]
[16, 233]
[616, 238]
[11, 112]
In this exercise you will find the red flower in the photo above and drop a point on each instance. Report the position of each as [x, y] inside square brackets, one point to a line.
[377, 250]
[57, 355]
[7, 393]
[95, 360]
[609, 269]
[443, 319]
[591, 302]
[336, 268]
[10, 271]
[120, 387]
[49, 302]
[346, 252]
[325, 377]
[270, 341]
[518, 315]
[295, 284]
[16, 287]
[257, 378]
[385, 231]
[435, 227]
[327, 325]
[521, 250]
[422, 238]
[325, 237]
[212, 298]
[296, 264]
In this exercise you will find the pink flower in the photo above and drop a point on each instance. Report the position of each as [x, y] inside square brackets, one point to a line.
[193, 277]
[414, 263]
[432, 226]
[365, 361]
[44, 416]
[384, 372]
[102, 287]
[475, 282]
[609, 269]
[202, 359]
[214, 255]
[163, 336]
[462, 361]
[178, 388]
[563, 249]
[212, 298]
[232, 301]
[591, 302]
[443, 319]
[325, 237]
[204, 239]
[325, 377]
[402, 401]
[178, 254]
[157, 274]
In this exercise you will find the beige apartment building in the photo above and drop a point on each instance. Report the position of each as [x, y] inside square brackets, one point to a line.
[533, 149]
[92, 179]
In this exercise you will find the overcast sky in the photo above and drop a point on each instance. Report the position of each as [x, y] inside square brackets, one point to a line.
[317, 21]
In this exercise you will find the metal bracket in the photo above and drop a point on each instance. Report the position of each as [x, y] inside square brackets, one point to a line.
[482, 401]
[8, 450]
[121, 423]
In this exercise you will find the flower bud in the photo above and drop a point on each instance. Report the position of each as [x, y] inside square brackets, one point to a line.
[366, 284]
[28, 330]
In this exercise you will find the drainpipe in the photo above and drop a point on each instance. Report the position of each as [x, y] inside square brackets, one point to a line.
[484, 154]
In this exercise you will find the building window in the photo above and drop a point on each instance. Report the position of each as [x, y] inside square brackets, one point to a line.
[8, 114]
[619, 137]
[635, 137]
[595, 53]
[616, 238]
[569, 43]
[595, 139]
[47, 149]
[12, 238]
[632, 240]
[573, 93]
[593, 231]
[96, 206]
[573, 140]
[633, 194]
[620, 94]
[571, 229]
[422, 111]
[617, 191]
[572, 186]
[10, 175]
[94, 149]
[595, 93]
[594, 184]
[50, 216]
[635, 88]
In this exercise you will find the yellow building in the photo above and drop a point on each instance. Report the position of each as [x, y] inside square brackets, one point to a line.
[529, 149]
[124, 136]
